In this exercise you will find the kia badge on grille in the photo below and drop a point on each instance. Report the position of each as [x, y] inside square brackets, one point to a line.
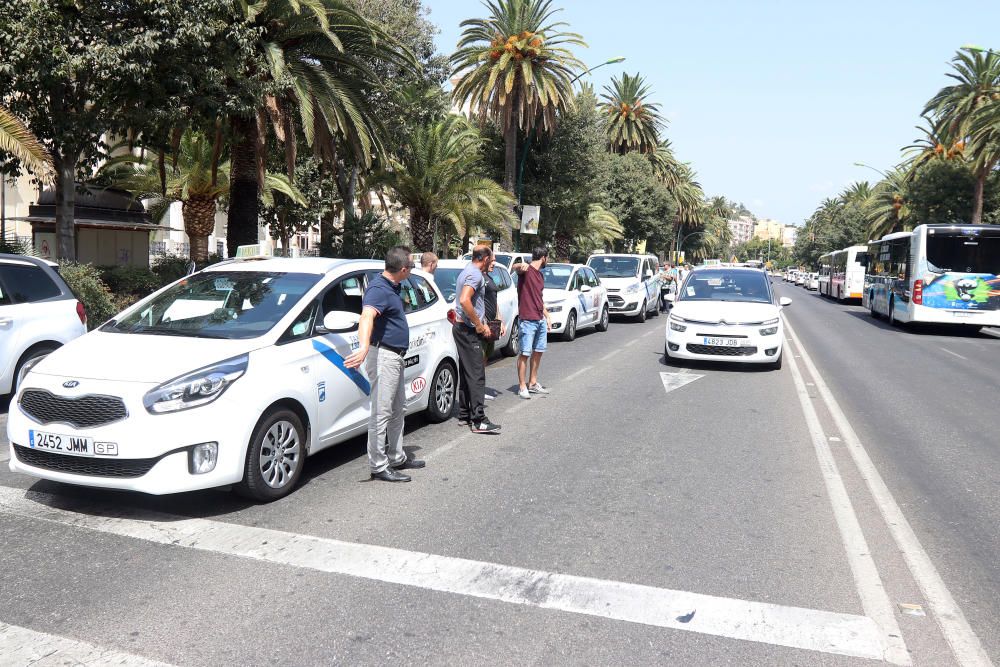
[69, 384]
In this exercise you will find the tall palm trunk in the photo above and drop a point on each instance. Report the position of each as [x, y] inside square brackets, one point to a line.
[199, 223]
[65, 203]
[562, 246]
[244, 188]
[979, 193]
[510, 158]
[422, 231]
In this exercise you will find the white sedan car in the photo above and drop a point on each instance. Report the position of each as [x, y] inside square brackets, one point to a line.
[575, 299]
[445, 277]
[726, 314]
[232, 375]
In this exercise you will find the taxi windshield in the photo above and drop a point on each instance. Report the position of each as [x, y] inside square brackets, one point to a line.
[722, 285]
[218, 304]
[557, 275]
[615, 267]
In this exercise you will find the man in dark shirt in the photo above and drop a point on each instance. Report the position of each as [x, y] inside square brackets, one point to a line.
[384, 327]
[535, 321]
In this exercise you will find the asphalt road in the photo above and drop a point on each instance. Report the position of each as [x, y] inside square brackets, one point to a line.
[612, 522]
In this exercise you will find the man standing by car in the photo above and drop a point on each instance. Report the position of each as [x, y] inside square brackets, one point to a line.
[535, 321]
[384, 327]
[470, 325]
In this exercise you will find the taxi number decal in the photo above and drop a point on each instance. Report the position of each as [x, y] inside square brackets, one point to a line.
[411, 361]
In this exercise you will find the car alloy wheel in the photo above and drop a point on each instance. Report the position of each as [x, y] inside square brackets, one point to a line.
[570, 332]
[442, 398]
[279, 454]
[513, 346]
[602, 325]
[275, 457]
[642, 313]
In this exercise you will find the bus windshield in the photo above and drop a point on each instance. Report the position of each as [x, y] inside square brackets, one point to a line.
[963, 253]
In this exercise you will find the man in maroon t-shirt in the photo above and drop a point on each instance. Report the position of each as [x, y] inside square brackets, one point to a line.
[534, 319]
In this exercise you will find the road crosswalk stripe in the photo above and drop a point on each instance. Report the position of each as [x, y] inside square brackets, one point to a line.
[795, 627]
[22, 646]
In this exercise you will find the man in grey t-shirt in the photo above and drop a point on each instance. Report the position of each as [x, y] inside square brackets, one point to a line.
[470, 324]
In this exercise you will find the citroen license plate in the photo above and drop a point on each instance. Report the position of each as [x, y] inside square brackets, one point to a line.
[74, 445]
[721, 342]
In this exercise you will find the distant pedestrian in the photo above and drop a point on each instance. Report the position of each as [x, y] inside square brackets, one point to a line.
[667, 286]
[493, 318]
[469, 329]
[535, 321]
[429, 262]
[383, 327]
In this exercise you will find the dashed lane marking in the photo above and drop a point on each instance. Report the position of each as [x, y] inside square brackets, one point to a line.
[611, 354]
[954, 354]
[21, 646]
[633, 342]
[795, 627]
[578, 373]
[964, 642]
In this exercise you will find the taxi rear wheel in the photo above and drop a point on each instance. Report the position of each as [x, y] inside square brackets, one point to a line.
[513, 346]
[275, 457]
[441, 400]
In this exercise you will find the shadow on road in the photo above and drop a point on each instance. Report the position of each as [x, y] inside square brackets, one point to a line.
[923, 330]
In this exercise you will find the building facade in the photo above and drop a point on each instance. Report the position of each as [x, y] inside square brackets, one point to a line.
[741, 229]
[788, 235]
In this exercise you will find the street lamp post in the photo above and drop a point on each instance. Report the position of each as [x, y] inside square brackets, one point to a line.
[527, 141]
[685, 237]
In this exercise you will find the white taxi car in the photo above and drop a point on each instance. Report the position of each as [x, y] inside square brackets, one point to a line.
[632, 282]
[575, 299]
[233, 375]
[447, 274]
[726, 314]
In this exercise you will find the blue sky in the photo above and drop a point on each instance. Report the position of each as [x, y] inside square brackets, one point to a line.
[772, 101]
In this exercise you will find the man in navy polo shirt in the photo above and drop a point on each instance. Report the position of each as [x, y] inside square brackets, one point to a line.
[384, 327]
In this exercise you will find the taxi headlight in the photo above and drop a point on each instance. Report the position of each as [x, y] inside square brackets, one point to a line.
[554, 309]
[197, 388]
[770, 330]
[23, 373]
[632, 289]
[675, 322]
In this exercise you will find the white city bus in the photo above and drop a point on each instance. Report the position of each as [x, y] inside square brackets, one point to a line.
[844, 273]
[937, 273]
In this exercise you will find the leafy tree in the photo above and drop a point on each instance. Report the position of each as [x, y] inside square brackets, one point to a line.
[74, 71]
[634, 123]
[516, 69]
[368, 235]
[438, 178]
[966, 110]
[643, 207]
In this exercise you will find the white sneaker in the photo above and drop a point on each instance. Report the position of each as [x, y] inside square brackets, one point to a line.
[538, 389]
[488, 396]
[523, 393]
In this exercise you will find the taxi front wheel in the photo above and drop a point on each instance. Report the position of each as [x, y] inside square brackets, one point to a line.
[275, 457]
[441, 400]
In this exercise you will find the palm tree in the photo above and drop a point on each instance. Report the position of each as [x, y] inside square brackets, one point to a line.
[634, 123]
[666, 166]
[196, 179]
[515, 69]
[17, 139]
[437, 177]
[886, 209]
[312, 56]
[955, 107]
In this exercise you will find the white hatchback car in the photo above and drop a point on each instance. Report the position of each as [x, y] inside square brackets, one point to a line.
[233, 375]
[38, 313]
[445, 277]
[575, 299]
[726, 314]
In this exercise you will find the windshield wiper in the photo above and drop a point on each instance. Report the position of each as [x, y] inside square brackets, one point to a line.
[167, 331]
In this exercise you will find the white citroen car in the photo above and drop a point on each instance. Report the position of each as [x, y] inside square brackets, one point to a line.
[726, 314]
[575, 299]
[233, 375]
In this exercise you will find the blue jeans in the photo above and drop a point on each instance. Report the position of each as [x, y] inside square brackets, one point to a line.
[534, 336]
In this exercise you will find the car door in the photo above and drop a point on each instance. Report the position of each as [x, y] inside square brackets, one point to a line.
[426, 326]
[598, 294]
[576, 296]
[506, 300]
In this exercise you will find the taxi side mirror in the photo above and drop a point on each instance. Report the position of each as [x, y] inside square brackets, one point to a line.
[784, 301]
[585, 288]
[340, 320]
[647, 275]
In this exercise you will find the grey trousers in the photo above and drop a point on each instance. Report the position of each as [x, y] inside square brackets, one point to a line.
[385, 424]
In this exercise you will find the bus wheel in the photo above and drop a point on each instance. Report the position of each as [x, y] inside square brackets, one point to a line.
[892, 313]
[871, 305]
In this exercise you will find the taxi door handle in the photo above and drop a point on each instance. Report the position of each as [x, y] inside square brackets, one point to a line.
[6, 322]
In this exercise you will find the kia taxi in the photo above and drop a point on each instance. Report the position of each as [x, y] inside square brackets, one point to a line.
[230, 376]
[575, 299]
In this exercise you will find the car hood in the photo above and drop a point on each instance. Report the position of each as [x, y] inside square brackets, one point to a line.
[733, 312]
[620, 283]
[143, 358]
[553, 295]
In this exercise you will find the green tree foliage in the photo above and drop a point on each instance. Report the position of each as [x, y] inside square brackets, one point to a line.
[73, 71]
[18, 141]
[634, 123]
[643, 207]
[516, 68]
[368, 235]
[287, 215]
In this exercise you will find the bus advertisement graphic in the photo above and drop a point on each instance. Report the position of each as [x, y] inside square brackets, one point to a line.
[963, 292]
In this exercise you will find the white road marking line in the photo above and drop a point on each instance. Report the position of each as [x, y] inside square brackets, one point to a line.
[649, 333]
[578, 373]
[795, 627]
[444, 448]
[965, 645]
[954, 354]
[21, 646]
[611, 354]
[874, 599]
[673, 381]
[633, 342]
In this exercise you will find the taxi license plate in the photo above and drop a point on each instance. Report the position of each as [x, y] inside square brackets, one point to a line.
[721, 342]
[73, 445]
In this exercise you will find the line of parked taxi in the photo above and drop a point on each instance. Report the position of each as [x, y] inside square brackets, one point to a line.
[235, 374]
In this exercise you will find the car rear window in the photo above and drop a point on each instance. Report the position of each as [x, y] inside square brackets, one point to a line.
[27, 283]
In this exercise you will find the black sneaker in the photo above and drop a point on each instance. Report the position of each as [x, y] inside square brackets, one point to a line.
[484, 426]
